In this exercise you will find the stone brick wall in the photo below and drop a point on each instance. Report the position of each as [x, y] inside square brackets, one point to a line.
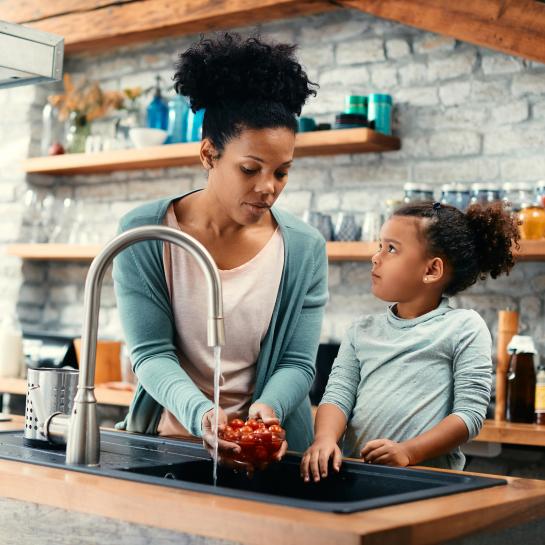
[464, 114]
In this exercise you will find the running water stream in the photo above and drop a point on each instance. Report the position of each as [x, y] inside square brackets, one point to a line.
[217, 375]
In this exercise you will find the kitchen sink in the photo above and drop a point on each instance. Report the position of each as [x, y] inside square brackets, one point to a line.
[186, 465]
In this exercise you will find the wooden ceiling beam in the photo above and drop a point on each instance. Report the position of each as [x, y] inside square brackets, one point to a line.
[94, 25]
[515, 27]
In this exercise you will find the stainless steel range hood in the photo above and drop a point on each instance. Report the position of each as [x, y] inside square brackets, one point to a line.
[29, 56]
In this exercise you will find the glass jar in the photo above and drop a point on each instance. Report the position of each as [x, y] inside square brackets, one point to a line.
[177, 119]
[52, 130]
[531, 218]
[455, 195]
[77, 132]
[515, 194]
[540, 192]
[194, 125]
[417, 192]
[485, 194]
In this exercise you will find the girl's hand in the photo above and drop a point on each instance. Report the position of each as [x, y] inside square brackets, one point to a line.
[208, 436]
[316, 459]
[386, 452]
[266, 413]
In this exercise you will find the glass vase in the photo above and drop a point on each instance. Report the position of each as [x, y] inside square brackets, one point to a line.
[78, 129]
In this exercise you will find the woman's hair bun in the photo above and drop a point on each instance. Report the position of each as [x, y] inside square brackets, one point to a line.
[227, 68]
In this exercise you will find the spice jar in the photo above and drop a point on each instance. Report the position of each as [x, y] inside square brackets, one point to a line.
[531, 218]
[514, 194]
[455, 195]
[485, 194]
[416, 192]
[540, 192]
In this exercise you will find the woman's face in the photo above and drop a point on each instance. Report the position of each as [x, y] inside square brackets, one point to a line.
[251, 173]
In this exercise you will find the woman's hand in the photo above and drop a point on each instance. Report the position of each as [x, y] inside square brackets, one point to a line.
[315, 461]
[266, 413]
[208, 437]
[386, 452]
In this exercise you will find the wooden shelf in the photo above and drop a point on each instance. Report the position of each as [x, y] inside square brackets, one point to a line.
[54, 252]
[99, 25]
[104, 395]
[512, 433]
[177, 155]
[531, 250]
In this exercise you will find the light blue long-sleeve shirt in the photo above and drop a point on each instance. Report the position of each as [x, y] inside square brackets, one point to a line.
[397, 378]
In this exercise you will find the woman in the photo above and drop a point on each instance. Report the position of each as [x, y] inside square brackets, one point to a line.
[273, 266]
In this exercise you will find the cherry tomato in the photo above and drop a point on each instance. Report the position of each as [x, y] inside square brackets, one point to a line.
[252, 423]
[275, 428]
[264, 436]
[237, 423]
[229, 436]
[246, 430]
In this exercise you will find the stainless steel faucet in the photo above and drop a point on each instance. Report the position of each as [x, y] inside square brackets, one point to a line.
[80, 430]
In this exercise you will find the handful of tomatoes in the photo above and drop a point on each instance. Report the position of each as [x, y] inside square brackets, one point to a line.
[258, 442]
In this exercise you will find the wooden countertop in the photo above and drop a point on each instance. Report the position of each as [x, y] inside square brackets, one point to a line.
[512, 433]
[423, 522]
[104, 394]
[492, 431]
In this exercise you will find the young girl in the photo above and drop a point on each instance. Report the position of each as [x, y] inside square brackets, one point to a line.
[411, 385]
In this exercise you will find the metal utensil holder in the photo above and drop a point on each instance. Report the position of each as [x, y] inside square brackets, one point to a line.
[49, 392]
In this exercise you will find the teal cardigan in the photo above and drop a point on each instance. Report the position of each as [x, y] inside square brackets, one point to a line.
[286, 364]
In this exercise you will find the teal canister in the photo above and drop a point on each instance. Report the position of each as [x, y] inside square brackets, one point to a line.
[355, 104]
[379, 112]
[177, 119]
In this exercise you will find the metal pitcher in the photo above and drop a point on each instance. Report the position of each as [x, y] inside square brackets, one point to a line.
[49, 392]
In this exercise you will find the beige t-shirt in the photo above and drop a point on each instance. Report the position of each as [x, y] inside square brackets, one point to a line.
[249, 297]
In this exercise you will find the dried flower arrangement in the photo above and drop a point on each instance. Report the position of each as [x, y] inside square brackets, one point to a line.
[89, 100]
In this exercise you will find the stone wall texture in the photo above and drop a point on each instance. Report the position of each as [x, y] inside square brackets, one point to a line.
[464, 114]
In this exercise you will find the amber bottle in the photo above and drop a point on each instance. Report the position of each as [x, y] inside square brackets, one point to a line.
[521, 388]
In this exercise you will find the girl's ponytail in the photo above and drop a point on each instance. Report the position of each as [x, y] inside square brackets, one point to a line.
[495, 233]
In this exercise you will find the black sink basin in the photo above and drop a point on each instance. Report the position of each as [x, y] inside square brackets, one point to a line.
[181, 464]
[356, 487]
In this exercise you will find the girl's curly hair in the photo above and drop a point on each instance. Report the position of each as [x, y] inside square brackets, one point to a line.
[242, 83]
[474, 244]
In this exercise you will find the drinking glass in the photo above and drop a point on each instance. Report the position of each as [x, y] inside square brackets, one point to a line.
[370, 226]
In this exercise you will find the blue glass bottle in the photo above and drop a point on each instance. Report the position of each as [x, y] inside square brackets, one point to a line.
[194, 125]
[177, 119]
[157, 110]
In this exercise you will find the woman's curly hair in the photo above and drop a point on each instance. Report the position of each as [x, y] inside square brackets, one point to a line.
[242, 83]
[475, 244]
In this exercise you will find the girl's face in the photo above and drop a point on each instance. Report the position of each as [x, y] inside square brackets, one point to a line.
[251, 173]
[401, 264]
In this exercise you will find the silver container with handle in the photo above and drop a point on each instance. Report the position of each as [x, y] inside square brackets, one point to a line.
[49, 392]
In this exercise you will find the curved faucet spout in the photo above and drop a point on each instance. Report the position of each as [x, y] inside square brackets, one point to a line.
[83, 446]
